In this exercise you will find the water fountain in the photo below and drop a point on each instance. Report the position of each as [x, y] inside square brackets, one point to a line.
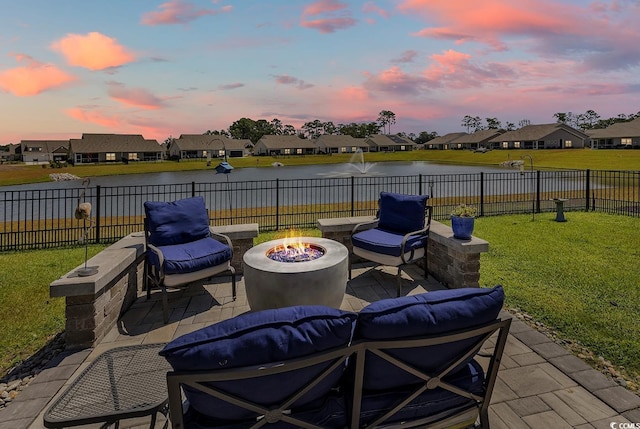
[357, 162]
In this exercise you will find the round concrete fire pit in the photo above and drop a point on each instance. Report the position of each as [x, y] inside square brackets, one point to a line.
[275, 284]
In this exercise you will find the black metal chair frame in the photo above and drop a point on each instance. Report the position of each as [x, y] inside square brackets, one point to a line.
[155, 277]
[405, 261]
[497, 331]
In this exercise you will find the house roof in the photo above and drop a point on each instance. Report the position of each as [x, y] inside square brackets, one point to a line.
[331, 140]
[477, 137]
[536, 132]
[285, 142]
[617, 130]
[445, 139]
[389, 140]
[209, 142]
[94, 143]
[46, 145]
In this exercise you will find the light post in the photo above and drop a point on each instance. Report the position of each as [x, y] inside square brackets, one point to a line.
[225, 168]
[533, 196]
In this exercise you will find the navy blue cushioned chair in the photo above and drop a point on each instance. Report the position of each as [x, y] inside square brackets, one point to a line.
[419, 363]
[181, 248]
[279, 367]
[398, 236]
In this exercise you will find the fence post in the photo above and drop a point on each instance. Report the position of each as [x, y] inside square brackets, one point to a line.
[98, 188]
[193, 189]
[420, 184]
[353, 195]
[482, 193]
[537, 191]
[277, 204]
[587, 190]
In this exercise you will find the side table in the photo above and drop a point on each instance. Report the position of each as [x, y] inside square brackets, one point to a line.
[121, 383]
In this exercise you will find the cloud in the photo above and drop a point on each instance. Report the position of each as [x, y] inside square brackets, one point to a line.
[32, 78]
[454, 70]
[230, 86]
[406, 57]
[137, 97]
[94, 117]
[179, 12]
[371, 7]
[394, 80]
[600, 35]
[93, 51]
[290, 80]
[334, 16]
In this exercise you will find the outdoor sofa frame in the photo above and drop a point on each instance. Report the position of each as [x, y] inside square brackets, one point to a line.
[488, 345]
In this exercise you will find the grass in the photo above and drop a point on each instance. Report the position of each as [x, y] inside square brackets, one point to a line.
[579, 278]
[30, 317]
[614, 159]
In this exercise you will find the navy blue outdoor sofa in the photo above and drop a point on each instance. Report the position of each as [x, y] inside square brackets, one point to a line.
[416, 360]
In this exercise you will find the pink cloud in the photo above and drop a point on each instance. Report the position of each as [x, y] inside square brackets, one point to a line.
[94, 117]
[32, 78]
[394, 80]
[455, 70]
[137, 97]
[371, 7]
[179, 12]
[335, 16]
[290, 80]
[93, 51]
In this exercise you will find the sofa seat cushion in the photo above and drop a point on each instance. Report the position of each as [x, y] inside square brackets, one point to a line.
[258, 338]
[194, 256]
[177, 222]
[431, 402]
[418, 316]
[386, 242]
[402, 213]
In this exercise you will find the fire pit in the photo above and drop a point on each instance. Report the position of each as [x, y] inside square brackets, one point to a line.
[310, 271]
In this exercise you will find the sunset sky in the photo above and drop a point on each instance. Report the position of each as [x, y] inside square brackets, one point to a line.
[163, 69]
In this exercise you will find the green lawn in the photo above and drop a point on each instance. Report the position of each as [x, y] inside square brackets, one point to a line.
[579, 278]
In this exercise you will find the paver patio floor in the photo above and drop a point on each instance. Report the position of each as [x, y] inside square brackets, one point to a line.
[540, 384]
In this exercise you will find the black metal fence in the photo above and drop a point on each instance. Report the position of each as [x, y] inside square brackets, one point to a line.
[34, 218]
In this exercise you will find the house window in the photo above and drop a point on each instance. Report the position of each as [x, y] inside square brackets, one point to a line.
[516, 145]
[568, 143]
[133, 156]
[625, 141]
[221, 153]
[204, 153]
[343, 149]
[299, 151]
[403, 147]
[505, 145]
[287, 151]
[110, 156]
[353, 148]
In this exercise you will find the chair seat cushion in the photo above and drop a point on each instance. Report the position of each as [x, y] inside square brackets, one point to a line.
[386, 242]
[177, 221]
[193, 256]
[426, 314]
[259, 338]
[429, 403]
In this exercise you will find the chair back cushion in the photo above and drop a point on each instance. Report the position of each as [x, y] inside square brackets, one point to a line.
[260, 338]
[402, 213]
[176, 222]
[416, 316]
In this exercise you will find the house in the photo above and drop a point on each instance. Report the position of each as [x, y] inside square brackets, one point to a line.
[276, 145]
[329, 143]
[207, 146]
[619, 135]
[8, 152]
[106, 148]
[443, 142]
[389, 143]
[544, 136]
[478, 140]
[43, 151]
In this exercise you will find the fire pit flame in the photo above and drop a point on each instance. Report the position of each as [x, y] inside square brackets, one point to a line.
[294, 250]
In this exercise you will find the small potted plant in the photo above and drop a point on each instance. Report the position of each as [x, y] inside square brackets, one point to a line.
[462, 221]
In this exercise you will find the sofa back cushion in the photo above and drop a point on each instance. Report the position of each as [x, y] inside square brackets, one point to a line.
[258, 338]
[176, 222]
[402, 213]
[423, 315]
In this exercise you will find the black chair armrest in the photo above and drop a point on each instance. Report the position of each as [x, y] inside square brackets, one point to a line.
[365, 225]
[221, 238]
